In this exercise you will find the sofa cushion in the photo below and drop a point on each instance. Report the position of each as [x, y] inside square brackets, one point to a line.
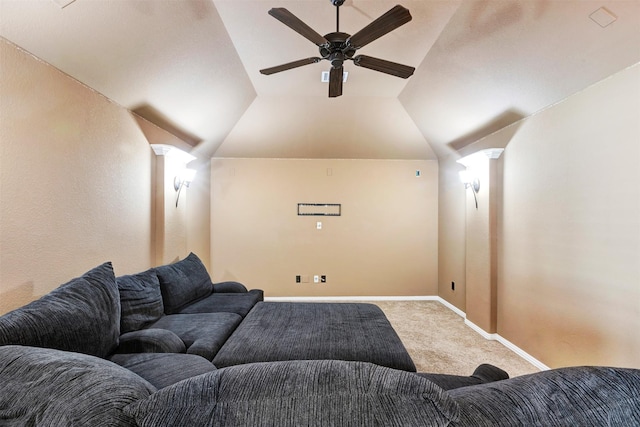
[239, 303]
[45, 387]
[484, 373]
[82, 315]
[164, 369]
[299, 393]
[141, 300]
[202, 333]
[183, 282]
[575, 396]
[152, 340]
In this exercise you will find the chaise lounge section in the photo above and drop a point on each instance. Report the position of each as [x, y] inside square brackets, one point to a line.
[280, 331]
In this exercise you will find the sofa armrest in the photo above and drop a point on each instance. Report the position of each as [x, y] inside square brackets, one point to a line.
[229, 287]
[150, 341]
[259, 293]
[483, 374]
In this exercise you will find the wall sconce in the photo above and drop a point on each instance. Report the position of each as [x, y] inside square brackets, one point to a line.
[472, 182]
[183, 179]
[478, 160]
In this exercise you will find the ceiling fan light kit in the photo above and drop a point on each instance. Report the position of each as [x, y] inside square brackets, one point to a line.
[338, 47]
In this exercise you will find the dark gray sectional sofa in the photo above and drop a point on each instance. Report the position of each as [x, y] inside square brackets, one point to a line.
[136, 350]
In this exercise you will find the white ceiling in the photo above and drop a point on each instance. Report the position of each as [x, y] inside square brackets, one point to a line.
[192, 66]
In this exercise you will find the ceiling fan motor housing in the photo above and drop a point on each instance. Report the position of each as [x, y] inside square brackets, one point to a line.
[337, 50]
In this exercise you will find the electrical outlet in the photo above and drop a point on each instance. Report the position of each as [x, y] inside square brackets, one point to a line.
[297, 279]
[316, 279]
[323, 279]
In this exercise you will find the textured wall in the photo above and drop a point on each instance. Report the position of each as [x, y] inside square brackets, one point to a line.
[452, 205]
[569, 275]
[75, 181]
[385, 242]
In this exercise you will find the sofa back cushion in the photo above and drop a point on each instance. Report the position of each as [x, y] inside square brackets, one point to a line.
[141, 300]
[571, 396]
[183, 282]
[82, 315]
[299, 393]
[48, 387]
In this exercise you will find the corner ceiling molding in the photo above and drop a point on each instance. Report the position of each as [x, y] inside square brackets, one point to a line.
[171, 151]
[488, 153]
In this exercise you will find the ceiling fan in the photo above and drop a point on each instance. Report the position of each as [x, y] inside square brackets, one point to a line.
[338, 47]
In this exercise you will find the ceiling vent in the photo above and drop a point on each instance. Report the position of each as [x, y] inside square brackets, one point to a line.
[324, 78]
[603, 17]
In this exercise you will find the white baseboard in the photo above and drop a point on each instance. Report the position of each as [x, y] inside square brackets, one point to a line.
[520, 352]
[355, 298]
[511, 346]
[494, 337]
[452, 307]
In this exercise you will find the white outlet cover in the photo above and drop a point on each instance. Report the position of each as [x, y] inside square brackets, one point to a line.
[316, 279]
[319, 225]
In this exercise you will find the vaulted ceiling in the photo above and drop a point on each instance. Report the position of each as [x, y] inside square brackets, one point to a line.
[192, 67]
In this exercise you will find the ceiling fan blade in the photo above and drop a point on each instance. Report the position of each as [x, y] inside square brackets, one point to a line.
[335, 82]
[388, 67]
[290, 65]
[293, 22]
[386, 23]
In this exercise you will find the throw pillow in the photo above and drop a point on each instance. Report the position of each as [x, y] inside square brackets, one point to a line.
[183, 282]
[82, 315]
[141, 300]
[299, 393]
[48, 387]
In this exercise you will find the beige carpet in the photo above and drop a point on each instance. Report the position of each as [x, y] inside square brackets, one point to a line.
[439, 341]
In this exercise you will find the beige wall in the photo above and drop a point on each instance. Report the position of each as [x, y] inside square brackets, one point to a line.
[76, 182]
[451, 233]
[385, 242]
[198, 204]
[569, 259]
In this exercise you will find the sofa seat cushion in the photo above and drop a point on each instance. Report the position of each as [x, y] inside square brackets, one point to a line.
[299, 393]
[202, 333]
[315, 331]
[46, 387]
[574, 396]
[164, 369]
[239, 303]
[183, 282]
[82, 315]
[140, 299]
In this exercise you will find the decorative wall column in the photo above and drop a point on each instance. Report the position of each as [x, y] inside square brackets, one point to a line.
[483, 182]
[169, 222]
